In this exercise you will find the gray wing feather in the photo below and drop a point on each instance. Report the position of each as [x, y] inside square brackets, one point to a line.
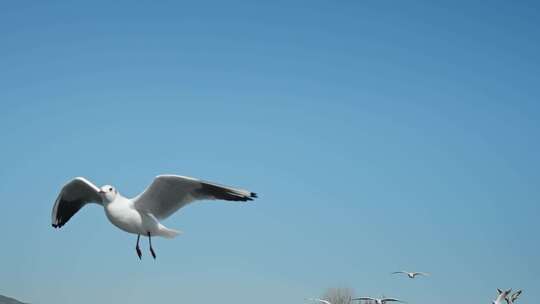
[73, 196]
[168, 193]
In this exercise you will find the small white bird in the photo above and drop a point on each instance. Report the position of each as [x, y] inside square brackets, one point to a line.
[141, 214]
[513, 298]
[412, 275]
[503, 295]
[378, 300]
[320, 300]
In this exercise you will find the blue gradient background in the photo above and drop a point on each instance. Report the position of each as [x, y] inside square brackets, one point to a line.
[380, 136]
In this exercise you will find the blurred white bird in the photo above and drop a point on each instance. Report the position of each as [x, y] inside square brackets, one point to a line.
[412, 275]
[377, 300]
[140, 215]
[319, 300]
[501, 296]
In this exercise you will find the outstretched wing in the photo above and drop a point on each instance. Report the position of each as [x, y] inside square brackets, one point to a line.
[321, 300]
[168, 193]
[363, 299]
[391, 300]
[403, 272]
[516, 295]
[73, 196]
[420, 273]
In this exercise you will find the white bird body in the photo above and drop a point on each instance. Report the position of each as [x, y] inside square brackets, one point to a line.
[141, 214]
[122, 213]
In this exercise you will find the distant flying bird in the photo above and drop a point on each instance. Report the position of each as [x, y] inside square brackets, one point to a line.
[513, 298]
[412, 275]
[140, 215]
[503, 295]
[320, 300]
[378, 301]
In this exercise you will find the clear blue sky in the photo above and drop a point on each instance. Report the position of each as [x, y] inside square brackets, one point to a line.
[380, 136]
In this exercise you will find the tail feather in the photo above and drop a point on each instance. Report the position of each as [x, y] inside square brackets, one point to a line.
[168, 233]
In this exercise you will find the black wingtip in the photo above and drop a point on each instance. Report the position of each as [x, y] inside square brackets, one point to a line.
[57, 226]
[251, 196]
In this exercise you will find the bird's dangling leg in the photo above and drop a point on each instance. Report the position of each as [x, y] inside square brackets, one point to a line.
[137, 248]
[151, 249]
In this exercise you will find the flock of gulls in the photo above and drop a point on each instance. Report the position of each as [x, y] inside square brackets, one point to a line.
[141, 215]
[501, 296]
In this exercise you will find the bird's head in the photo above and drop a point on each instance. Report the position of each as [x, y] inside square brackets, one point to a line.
[108, 193]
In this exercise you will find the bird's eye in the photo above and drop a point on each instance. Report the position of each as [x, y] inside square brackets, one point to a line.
[110, 189]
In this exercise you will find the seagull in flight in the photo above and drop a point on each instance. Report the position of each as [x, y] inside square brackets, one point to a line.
[378, 301]
[321, 300]
[513, 298]
[503, 295]
[141, 215]
[412, 275]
